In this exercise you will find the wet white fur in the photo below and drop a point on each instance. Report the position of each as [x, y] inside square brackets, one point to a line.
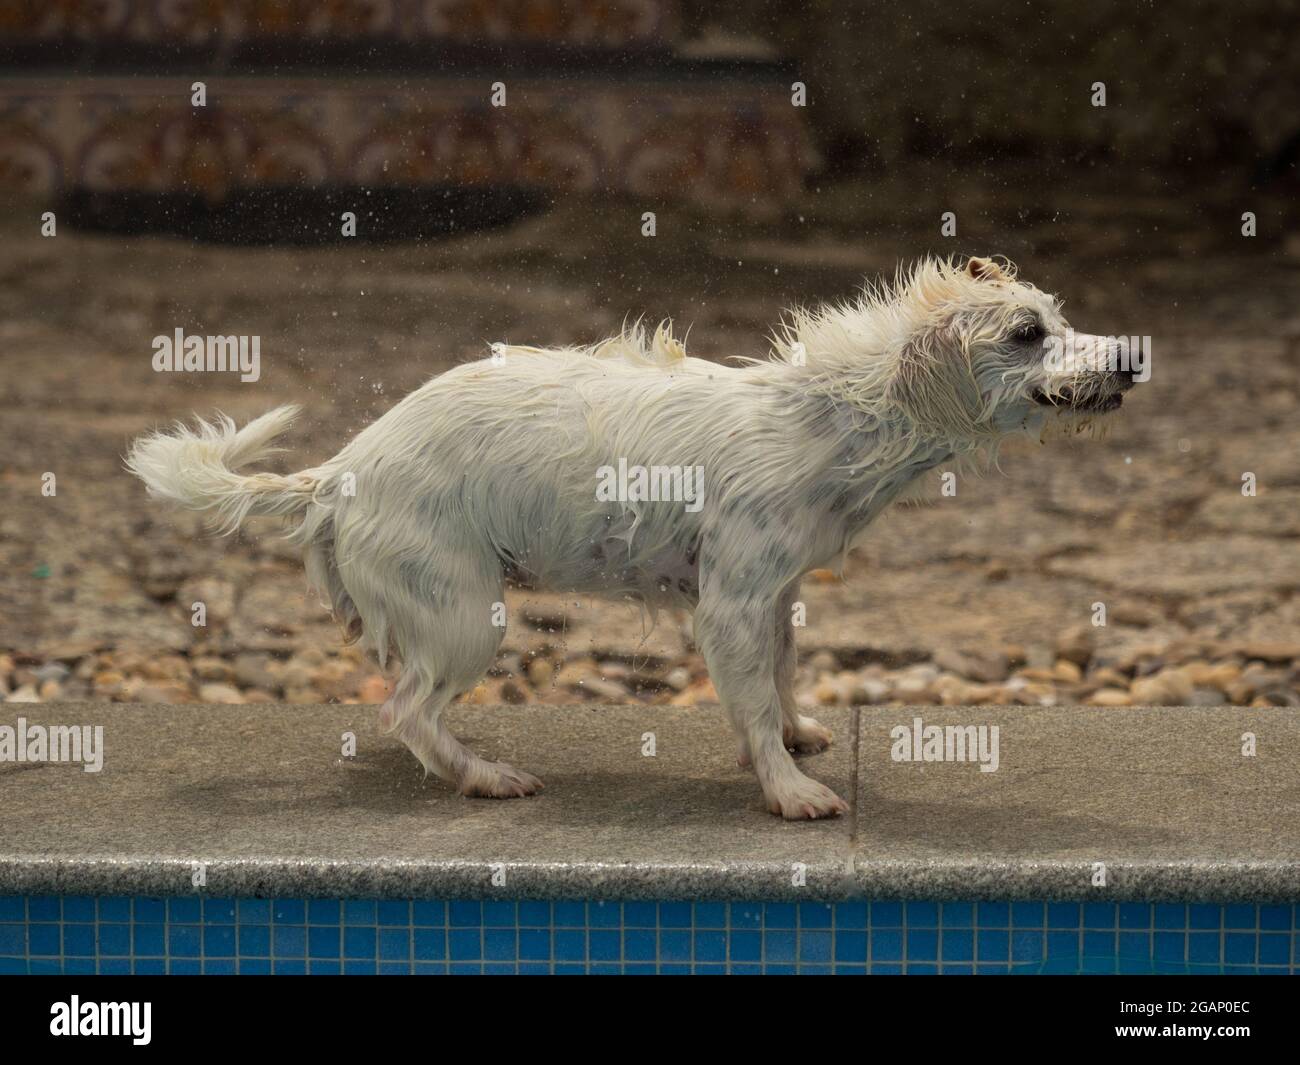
[489, 471]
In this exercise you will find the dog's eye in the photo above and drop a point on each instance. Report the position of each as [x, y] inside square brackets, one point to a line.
[1029, 333]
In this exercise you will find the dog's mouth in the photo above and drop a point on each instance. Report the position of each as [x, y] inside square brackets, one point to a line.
[1068, 399]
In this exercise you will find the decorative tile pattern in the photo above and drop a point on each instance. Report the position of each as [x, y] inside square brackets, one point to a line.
[722, 144]
[211, 935]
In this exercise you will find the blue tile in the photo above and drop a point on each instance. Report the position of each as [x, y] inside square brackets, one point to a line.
[112, 967]
[360, 912]
[78, 908]
[957, 945]
[289, 911]
[852, 915]
[993, 915]
[360, 942]
[1239, 948]
[886, 915]
[1275, 918]
[993, 944]
[499, 914]
[922, 944]
[13, 940]
[781, 915]
[1170, 916]
[324, 941]
[745, 946]
[254, 911]
[360, 967]
[534, 944]
[147, 940]
[710, 915]
[1204, 916]
[395, 944]
[79, 940]
[1134, 915]
[219, 940]
[569, 914]
[465, 914]
[746, 914]
[674, 946]
[1062, 944]
[324, 911]
[534, 914]
[1204, 948]
[1028, 915]
[814, 946]
[149, 966]
[185, 967]
[44, 940]
[675, 915]
[851, 947]
[219, 967]
[604, 915]
[1273, 949]
[465, 944]
[921, 914]
[44, 908]
[254, 966]
[217, 911]
[289, 941]
[604, 945]
[1063, 915]
[429, 944]
[1135, 944]
[1099, 915]
[710, 945]
[500, 944]
[780, 947]
[1169, 946]
[1027, 945]
[1237, 917]
[640, 915]
[14, 908]
[289, 968]
[1099, 944]
[570, 944]
[185, 910]
[184, 940]
[393, 913]
[957, 914]
[886, 945]
[639, 944]
[816, 915]
[322, 966]
[254, 940]
[426, 913]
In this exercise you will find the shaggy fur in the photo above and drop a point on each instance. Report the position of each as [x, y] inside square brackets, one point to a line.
[488, 473]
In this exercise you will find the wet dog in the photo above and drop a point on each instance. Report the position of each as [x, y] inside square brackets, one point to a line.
[628, 469]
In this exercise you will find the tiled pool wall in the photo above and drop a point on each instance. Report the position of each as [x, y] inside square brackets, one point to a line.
[220, 935]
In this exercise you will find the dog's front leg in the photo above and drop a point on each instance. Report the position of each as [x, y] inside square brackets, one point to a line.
[734, 629]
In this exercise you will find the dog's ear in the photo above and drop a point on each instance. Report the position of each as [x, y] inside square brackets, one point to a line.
[985, 269]
[934, 386]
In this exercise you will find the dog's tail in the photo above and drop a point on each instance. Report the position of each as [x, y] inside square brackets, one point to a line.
[195, 468]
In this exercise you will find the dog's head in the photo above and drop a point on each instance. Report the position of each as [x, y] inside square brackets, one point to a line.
[966, 352]
[987, 354]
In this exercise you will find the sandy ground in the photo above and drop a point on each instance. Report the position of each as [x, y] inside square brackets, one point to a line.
[987, 596]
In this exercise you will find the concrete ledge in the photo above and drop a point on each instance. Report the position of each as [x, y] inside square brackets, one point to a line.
[263, 799]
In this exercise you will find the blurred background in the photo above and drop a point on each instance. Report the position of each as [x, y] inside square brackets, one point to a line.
[787, 152]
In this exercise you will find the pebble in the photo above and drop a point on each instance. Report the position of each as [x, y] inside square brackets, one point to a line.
[220, 693]
[541, 673]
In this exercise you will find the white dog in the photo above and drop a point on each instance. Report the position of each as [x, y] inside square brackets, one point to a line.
[501, 470]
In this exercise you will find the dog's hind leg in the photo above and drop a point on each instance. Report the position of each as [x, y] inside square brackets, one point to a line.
[803, 734]
[735, 631]
[445, 632]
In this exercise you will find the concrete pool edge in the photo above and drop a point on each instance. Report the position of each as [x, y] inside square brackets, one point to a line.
[1148, 804]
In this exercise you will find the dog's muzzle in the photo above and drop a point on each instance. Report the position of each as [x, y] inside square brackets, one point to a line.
[1090, 400]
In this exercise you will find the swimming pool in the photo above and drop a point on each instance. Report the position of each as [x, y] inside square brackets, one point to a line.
[179, 935]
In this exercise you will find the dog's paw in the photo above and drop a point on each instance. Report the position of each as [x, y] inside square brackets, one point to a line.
[807, 800]
[808, 736]
[496, 780]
